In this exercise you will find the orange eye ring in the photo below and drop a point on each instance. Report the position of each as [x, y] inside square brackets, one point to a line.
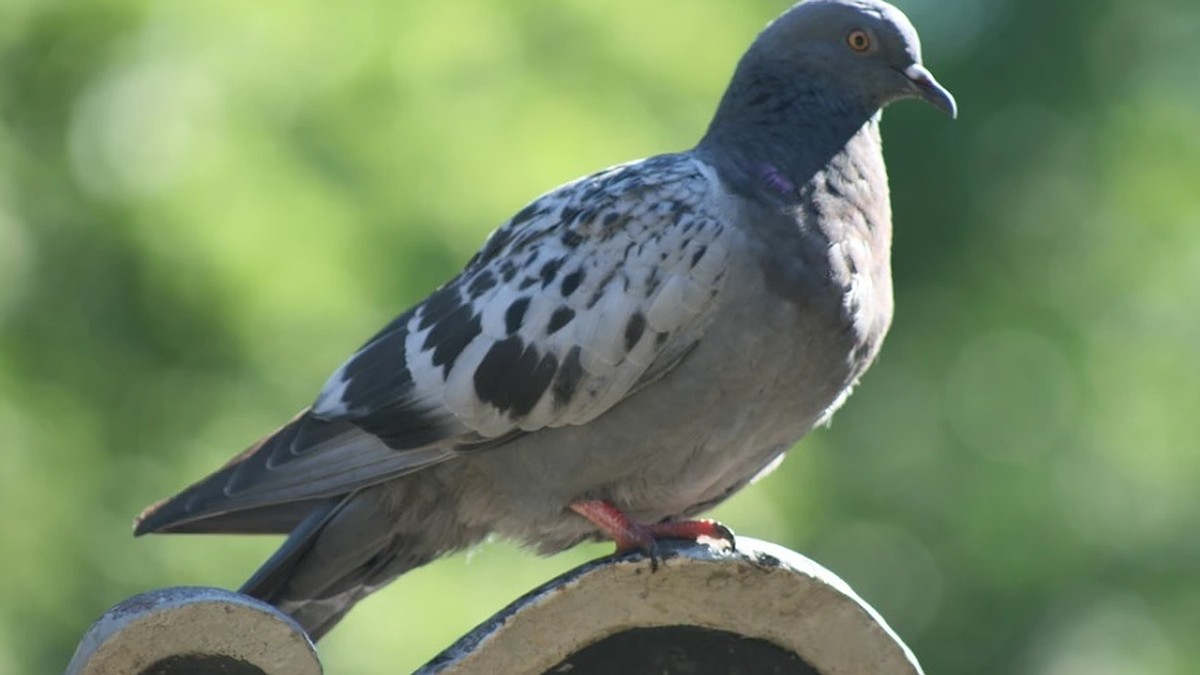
[858, 40]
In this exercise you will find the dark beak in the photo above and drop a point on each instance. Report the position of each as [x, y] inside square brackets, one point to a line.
[930, 91]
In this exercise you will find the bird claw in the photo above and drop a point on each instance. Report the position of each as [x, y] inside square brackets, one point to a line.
[655, 555]
[722, 532]
[639, 539]
[630, 536]
[697, 530]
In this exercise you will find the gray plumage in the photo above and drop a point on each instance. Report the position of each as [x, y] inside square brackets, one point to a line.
[654, 335]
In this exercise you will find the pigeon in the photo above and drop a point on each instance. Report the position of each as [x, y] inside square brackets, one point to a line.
[627, 351]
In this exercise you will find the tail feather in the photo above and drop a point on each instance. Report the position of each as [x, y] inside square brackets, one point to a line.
[356, 514]
[269, 582]
[343, 550]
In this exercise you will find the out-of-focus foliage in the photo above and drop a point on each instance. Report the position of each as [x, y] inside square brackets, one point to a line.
[204, 206]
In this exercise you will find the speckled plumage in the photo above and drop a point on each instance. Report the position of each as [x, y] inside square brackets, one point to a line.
[654, 336]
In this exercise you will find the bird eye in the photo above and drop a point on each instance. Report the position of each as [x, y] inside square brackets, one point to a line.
[858, 40]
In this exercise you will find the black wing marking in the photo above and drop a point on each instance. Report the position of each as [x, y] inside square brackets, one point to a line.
[586, 295]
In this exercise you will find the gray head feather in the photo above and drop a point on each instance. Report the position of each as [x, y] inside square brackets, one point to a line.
[812, 79]
[864, 50]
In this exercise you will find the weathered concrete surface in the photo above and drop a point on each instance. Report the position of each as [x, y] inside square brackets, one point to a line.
[760, 610]
[761, 591]
[185, 630]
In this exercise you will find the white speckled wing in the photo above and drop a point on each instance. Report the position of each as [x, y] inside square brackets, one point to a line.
[590, 292]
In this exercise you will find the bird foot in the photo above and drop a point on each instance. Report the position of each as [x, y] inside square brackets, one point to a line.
[632, 536]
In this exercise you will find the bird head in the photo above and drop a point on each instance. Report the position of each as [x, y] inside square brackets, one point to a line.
[866, 50]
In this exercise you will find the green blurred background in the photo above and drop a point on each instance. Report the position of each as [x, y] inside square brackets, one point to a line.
[205, 206]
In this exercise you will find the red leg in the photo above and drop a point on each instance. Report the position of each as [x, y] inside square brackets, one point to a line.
[631, 536]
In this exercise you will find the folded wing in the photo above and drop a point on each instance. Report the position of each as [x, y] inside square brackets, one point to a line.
[589, 293]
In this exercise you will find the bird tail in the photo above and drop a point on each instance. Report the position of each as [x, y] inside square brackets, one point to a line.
[357, 514]
[270, 583]
[345, 548]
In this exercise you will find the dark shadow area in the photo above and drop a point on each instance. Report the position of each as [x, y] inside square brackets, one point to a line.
[682, 650]
[202, 664]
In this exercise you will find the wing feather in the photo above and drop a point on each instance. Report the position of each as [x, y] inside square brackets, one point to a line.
[591, 290]
[589, 293]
